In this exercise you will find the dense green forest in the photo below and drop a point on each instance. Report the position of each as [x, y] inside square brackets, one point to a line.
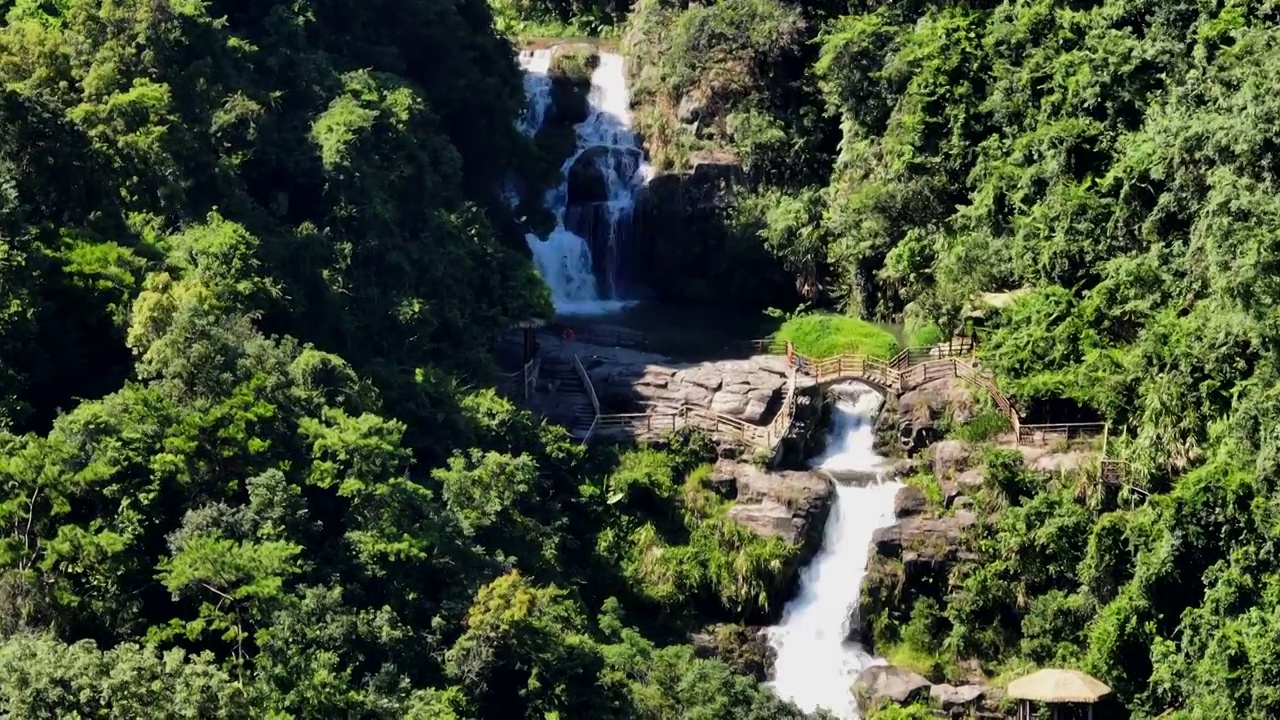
[1115, 163]
[252, 258]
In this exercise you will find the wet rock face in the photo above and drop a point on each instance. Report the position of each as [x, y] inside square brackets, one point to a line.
[598, 166]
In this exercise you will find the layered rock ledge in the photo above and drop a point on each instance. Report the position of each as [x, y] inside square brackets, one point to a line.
[789, 504]
[633, 381]
[750, 389]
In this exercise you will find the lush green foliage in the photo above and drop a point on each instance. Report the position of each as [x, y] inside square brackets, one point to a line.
[252, 257]
[558, 18]
[697, 554]
[822, 336]
[1117, 160]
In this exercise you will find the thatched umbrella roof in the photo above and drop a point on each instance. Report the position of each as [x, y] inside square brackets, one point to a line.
[1058, 686]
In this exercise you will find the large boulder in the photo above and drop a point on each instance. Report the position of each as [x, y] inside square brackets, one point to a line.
[792, 505]
[932, 400]
[596, 168]
[882, 685]
[909, 502]
[950, 458]
[958, 699]
[924, 542]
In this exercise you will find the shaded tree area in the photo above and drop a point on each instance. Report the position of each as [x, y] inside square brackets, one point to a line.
[252, 255]
[1112, 163]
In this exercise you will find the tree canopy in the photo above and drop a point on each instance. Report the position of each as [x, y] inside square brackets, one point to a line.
[252, 259]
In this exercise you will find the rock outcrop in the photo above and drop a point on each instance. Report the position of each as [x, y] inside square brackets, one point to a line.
[909, 502]
[914, 415]
[743, 647]
[792, 505]
[750, 390]
[909, 559]
[924, 544]
[883, 685]
[957, 700]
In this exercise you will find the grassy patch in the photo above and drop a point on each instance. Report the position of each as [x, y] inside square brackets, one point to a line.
[821, 336]
[917, 711]
[929, 485]
[1006, 672]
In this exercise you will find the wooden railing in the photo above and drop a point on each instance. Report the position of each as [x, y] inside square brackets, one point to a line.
[907, 357]
[1044, 434]
[521, 382]
[591, 395]
[907, 370]
[672, 419]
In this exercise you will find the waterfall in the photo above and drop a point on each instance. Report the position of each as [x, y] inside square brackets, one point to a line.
[817, 663]
[593, 205]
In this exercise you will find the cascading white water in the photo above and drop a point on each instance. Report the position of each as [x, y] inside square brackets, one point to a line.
[816, 663]
[593, 220]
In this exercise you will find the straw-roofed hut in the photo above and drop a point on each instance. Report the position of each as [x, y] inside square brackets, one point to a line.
[1061, 689]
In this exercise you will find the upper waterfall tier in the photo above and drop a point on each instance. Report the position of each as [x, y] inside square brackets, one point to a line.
[583, 259]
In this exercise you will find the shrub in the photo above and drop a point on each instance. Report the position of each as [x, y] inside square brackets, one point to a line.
[982, 427]
[926, 335]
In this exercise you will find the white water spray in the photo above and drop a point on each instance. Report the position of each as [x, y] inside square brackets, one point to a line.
[816, 664]
[593, 228]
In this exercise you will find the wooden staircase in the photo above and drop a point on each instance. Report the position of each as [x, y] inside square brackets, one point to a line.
[578, 414]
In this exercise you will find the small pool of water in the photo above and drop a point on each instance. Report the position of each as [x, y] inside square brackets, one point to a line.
[685, 332]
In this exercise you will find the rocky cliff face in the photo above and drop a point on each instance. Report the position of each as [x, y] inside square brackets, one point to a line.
[694, 251]
[915, 556]
[915, 414]
[750, 389]
[792, 505]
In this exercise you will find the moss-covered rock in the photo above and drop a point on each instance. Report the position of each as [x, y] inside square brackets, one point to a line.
[570, 72]
[743, 647]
